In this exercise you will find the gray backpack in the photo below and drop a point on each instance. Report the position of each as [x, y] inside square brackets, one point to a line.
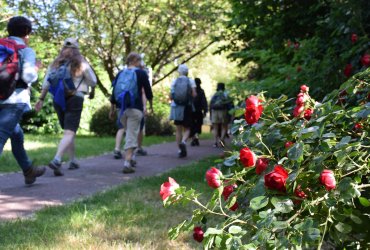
[181, 92]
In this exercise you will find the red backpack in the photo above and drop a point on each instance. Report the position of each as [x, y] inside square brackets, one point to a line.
[9, 66]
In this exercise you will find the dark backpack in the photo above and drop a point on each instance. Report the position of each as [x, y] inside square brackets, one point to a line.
[9, 66]
[219, 101]
[181, 92]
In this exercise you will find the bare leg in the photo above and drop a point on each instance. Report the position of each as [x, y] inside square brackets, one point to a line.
[65, 143]
[215, 131]
[178, 134]
[186, 134]
[140, 139]
[119, 137]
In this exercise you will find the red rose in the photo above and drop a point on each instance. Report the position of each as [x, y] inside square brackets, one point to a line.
[168, 188]
[300, 100]
[253, 109]
[327, 179]
[213, 177]
[261, 165]
[198, 234]
[296, 45]
[348, 70]
[305, 88]
[247, 157]
[226, 194]
[228, 190]
[276, 179]
[307, 114]
[288, 144]
[300, 194]
[357, 127]
[299, 69]
[354, 37]
[365, 60]
[298, 110]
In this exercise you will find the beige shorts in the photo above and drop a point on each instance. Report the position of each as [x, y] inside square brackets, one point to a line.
[131, 120]
[219, 116]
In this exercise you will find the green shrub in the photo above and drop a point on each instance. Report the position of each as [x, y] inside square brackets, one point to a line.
[157, 124]
[100, 124]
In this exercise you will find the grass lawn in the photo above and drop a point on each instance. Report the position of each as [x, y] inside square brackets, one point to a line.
[42, 148]
[130, 216]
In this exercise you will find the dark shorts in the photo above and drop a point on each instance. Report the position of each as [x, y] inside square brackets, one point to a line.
[70, 118]
[188, 117]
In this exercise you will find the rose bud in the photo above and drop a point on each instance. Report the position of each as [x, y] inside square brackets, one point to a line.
[298, 110]
[234, 207]
[213, 177]
[247, 157]
[327, 179]
[168, 188]
[276, 179]
[288, 144]
[296, 45]
[300, 100]
[300, 194]
[348, 70]
[261, 165]
[307, 114]
[357, 127]
[228, 190]
[354, 37]
[365, 60]
[198, 234]
[305, 88]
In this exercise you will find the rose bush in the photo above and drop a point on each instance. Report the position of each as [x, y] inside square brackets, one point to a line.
[310, 194]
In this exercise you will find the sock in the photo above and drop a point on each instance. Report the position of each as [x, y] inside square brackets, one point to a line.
[126, 164]
[57, 159]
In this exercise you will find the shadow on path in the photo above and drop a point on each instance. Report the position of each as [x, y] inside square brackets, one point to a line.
[95, 174]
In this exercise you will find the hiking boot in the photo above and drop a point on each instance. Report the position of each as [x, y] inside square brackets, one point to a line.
[193, 143]
[117, 154]
[133, 163]
[31, 174]
[141, 152]
[196, 142]
[73, 165]
[56, 166]
[128, 169]
[183, 152]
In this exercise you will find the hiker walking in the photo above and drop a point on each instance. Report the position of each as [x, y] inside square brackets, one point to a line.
[200, 111]
[68, 79]
[219, 107]
[15, 82]
[129, 88]
[182, 94]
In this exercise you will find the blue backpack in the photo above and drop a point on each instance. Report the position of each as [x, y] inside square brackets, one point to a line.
[125, 89]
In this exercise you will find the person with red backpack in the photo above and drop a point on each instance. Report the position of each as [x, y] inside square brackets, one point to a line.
[18, 70]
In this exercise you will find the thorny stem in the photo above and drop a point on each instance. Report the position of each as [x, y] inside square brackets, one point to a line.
[326, 226]
[363, 186]
[315, 202]
[260, 138]
[356, 170]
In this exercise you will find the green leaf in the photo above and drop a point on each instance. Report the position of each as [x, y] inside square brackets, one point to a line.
[296, 152]
[212, 231]
[343, 228]
[259, 202]
[344, 142]
[174, 232]
[239, 112]
[278, 225]
[356, 219]
[364, 202]
[235, 229]
[312, 234]
[282, 205]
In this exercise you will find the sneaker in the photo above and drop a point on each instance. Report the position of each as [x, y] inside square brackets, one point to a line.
[193, 143]
[56, 166]
[215, 145]
[31, 175]
[117, 154]
[133, 163]
[196, 142]
[141, 152]
[183, 152]
[128, 170]
[73, 165]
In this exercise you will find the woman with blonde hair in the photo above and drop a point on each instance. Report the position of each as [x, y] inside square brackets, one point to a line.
[68, 97]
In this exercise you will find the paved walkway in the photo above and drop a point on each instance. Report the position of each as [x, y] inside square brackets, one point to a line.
[96, 174]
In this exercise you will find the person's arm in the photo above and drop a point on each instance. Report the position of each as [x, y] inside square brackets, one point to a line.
[44, 92]
[88, 74]
[147, 89]
[204, 104]
[29, 66]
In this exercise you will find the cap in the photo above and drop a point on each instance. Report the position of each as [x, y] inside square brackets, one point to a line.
[183, 69]
[70, 43]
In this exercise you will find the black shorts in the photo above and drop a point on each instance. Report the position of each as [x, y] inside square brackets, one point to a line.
[70, 118]
[188, 117]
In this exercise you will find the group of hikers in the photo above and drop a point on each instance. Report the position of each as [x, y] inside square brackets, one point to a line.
[70, 78]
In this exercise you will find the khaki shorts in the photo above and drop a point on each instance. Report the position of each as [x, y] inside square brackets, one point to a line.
[131, 120]
[219, 116]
